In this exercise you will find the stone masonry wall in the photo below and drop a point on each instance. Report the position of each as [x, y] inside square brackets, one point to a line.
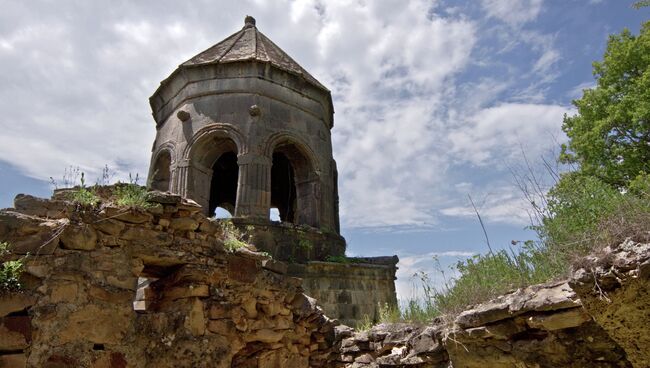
[598, 318]
[204, 307]
[351, 291]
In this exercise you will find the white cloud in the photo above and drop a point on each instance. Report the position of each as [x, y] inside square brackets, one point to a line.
[499, 133]
[506, 206]
[513, 12]
[577, 91]
[75, 90]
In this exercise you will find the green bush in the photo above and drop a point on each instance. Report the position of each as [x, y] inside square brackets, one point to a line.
[233, 238]
[576, 205]
[10, 271]
[232, 244]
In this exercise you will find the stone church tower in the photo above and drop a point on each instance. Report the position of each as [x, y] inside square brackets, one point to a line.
[243, 127]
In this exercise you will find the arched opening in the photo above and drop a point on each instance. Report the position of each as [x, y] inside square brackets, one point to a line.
[161, 174]
[283, 187]
[274, 214]
[223, 186]
[212, 173]
[295, 187]
[222, 213]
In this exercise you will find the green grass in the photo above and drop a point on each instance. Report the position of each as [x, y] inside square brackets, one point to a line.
[233, 238]
[338, 259]
[585, 215]
[131, 195]
[82, 194]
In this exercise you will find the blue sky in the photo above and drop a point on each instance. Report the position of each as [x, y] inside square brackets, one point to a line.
[434, 100]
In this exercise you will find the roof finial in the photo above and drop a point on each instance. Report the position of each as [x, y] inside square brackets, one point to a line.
[249, 22]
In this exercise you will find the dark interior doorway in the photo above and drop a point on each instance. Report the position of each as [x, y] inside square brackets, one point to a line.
[223, 187]
[283, 187]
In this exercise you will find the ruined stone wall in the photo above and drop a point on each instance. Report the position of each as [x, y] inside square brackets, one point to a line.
[204, 307]
[598, 318]
[291, 243]
[351, 291]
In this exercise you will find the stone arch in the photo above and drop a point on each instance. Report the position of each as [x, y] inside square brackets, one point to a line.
[160, 175]
[214, 132]
[212, 173]
[283, 138]
[295, 180]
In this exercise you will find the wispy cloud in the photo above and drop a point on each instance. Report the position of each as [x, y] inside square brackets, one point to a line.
[513, 12]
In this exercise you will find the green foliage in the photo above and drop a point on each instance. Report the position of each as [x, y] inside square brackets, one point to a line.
[10, 271]
[339, 259]
[640, 186]
[609, 136]
[576, 204]
[232, 244]
[641, 4]
[233, 238]
[305, 244]
[131, 195]
[84, 195]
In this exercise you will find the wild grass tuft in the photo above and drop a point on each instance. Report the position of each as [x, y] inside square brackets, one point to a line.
[84, 195]
[233, 238]
[131, 195]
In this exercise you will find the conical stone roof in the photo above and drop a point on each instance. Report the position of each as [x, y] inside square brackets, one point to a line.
[251, 44]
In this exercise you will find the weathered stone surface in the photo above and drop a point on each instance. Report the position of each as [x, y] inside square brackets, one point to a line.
[349, 291]
[13, 361]
[15, 333]
[15, 302]
[29, 234]
[79, 236]
[157, 196]
[538, 298]
[95, 324]
[275, 266]
[184, 223]
[110, 226]
[40, 207]
[559, 320]
[618, 299]
[128, 214]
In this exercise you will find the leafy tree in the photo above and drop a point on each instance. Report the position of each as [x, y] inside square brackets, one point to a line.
[610, 135]
[641, 4]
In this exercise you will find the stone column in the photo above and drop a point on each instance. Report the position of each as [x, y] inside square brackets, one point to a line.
[253, 186]
[309, 197]
[179, 175]
[194, 183]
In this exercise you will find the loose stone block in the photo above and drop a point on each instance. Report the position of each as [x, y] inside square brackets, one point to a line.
[79, 236]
